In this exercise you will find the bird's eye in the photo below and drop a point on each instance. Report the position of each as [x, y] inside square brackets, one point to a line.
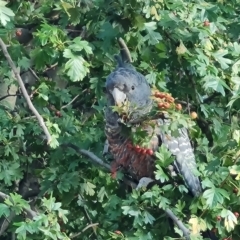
[133, 87]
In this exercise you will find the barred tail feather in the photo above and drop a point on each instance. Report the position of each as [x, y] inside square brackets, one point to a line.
[185, 162]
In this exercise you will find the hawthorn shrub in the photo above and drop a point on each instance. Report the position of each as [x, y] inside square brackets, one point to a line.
[62, 52]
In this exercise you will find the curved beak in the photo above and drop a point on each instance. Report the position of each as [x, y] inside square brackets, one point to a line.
[119, 97]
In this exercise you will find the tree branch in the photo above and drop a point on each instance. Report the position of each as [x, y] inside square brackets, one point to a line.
[87, 227]
[124, 50]
[24, 91]
[71, 101]
[94, 159]
[9, 95]
[178, 222]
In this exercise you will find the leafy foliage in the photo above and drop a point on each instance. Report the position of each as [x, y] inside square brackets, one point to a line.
[64, 50]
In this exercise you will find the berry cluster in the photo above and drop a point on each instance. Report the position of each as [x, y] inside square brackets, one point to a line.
[140, 150]
[166, 101]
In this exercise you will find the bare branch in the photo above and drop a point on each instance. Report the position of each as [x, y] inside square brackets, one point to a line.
[92, 156]
[178, 222]
[34, 74]
[9, 95]
[124, 50]
[87, 227]
[24, 91]
[50, 67]
[70, 102]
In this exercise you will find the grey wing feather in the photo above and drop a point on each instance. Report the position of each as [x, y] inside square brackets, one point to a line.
[185, 161]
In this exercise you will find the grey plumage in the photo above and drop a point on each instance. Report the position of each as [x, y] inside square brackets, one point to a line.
[185, 162]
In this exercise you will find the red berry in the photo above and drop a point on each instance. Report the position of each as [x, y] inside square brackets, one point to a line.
[166, 105]
[170, 99]
[236, 214]
[161, 105]
[137, 149]
[218, 218]
[150, 152]
[162, 95]
[178, 106]
[58, 114]
[235, 190]
[206, 23]
[214, 230]
[143, 150]
[157, 94]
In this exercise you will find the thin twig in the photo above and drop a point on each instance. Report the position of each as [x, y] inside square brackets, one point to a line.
[125, 49]
[87, 227]
[24, 91]
[9, 95]
[92, 156]
[34, 74]
[50, 67]
[73, 30]
[71, 101]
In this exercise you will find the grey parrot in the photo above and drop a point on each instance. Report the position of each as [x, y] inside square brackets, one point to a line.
[126, 86]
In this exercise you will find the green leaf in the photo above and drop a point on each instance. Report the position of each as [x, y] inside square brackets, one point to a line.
[160, 174]
[80, 45]
[88, 188]
[4, 210]
[230, 220]
[152, 37]
[216, 84]
[24, 63]
[5, 13]
[148, 218]
[224, 62]
[76, 67]
[164, 156]
[215, 196]
[151, 77]
[101, 194]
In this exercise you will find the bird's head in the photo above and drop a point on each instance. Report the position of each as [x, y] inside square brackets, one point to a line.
[130, 90]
